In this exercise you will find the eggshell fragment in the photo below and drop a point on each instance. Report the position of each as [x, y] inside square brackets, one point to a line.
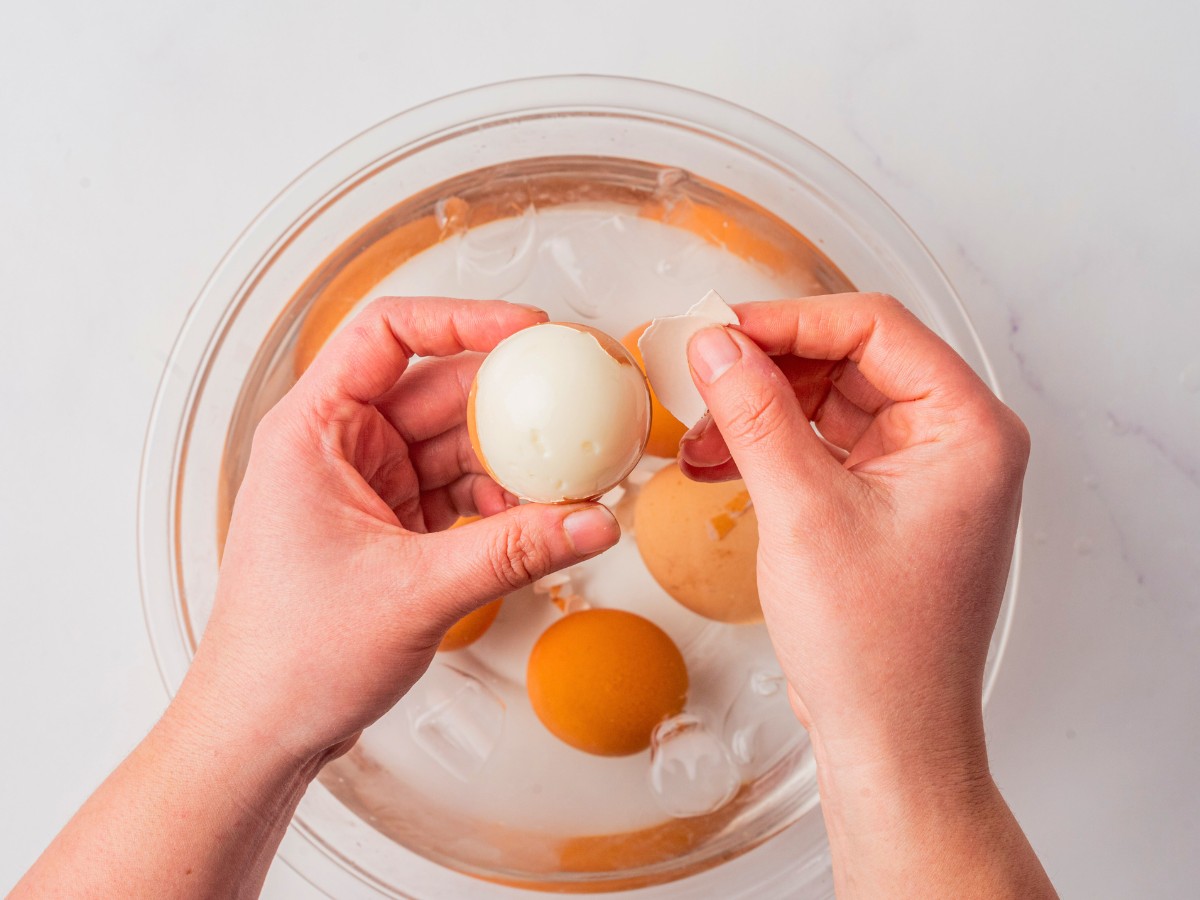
[665, 430]
[559, 412]
[664, 349]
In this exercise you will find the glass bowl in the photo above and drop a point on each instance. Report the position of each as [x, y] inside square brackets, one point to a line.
[602, 199]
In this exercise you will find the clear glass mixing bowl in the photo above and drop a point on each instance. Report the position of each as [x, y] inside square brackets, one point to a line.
[473, 172]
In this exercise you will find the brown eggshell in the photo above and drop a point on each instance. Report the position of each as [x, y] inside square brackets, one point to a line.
[700, 542]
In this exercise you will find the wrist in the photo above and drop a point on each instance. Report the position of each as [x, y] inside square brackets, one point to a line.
[892, 806]
[209, 725]
[903, 772]
[906, 820]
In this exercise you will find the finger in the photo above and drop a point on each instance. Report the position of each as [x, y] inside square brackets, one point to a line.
[381, 459]
[850, 381]
[726, 471]
[767, 432]
[812, 379]
[833, 394]
[703, 447]
[506, 552]
[368, 356]
[840, 422]
[470, 495]
[431, 397]
[444, 458]
[896, 354]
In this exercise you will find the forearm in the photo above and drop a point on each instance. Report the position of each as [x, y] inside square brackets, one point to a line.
[925, 827]
[197, 810]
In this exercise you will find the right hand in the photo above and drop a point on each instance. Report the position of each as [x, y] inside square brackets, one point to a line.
[884, 548]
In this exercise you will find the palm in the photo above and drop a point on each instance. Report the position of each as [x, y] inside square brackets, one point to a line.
[411, 449]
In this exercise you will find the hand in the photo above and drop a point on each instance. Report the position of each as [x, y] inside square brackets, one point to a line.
[885, 544]
[336, 587]
[338, 579]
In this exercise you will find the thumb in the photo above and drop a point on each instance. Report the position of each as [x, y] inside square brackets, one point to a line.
[503, 553]
[763, 425]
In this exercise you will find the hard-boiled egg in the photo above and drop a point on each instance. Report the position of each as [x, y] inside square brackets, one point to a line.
[602, 679]
[700, 542]
[559, 412]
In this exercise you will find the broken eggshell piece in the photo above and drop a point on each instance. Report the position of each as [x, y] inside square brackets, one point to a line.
[664, 348]
[559, 412]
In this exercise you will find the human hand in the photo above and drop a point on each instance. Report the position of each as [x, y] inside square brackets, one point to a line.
[338, 578]
[336, 587]
[884, 548]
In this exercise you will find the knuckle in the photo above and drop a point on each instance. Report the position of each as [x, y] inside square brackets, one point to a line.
[884, 303]
[755, 417]
[377, 308]
[273, 428]
[518, 559]
[268, 425]
[371, 326]
[301, 420]
[1020, 441]
[1002, 437]
[374, 326]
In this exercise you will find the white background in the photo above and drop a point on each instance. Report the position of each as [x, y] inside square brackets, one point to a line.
[1046, 151]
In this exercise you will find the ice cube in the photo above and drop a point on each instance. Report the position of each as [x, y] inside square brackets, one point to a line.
[456, 719]
[760, 724]
[499, 254]
[691, 773]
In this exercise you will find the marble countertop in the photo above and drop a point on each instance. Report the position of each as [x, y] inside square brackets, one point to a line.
[1046, 152]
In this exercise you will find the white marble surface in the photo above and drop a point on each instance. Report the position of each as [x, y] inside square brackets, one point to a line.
[1046, 152]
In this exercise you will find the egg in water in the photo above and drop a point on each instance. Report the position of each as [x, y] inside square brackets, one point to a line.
[602, 679]
[700, 542]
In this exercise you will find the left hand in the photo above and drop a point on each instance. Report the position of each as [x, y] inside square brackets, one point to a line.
[339, 578]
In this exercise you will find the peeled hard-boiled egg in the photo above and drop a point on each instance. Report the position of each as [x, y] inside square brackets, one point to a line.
[559, 412]
[700, 542]
[664, 348]
[602, 679]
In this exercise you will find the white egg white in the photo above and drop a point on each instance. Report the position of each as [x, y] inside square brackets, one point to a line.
[558, 416]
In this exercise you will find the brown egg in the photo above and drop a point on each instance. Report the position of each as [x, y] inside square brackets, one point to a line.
[601, 679]
[700, 542]
[665, 429]
[470, 627]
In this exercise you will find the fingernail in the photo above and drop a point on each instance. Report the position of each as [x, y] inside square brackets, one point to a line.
[534, 309]
[693, 446]
[697, 431]
[687, 453]
[591, 530]
[712, 352]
